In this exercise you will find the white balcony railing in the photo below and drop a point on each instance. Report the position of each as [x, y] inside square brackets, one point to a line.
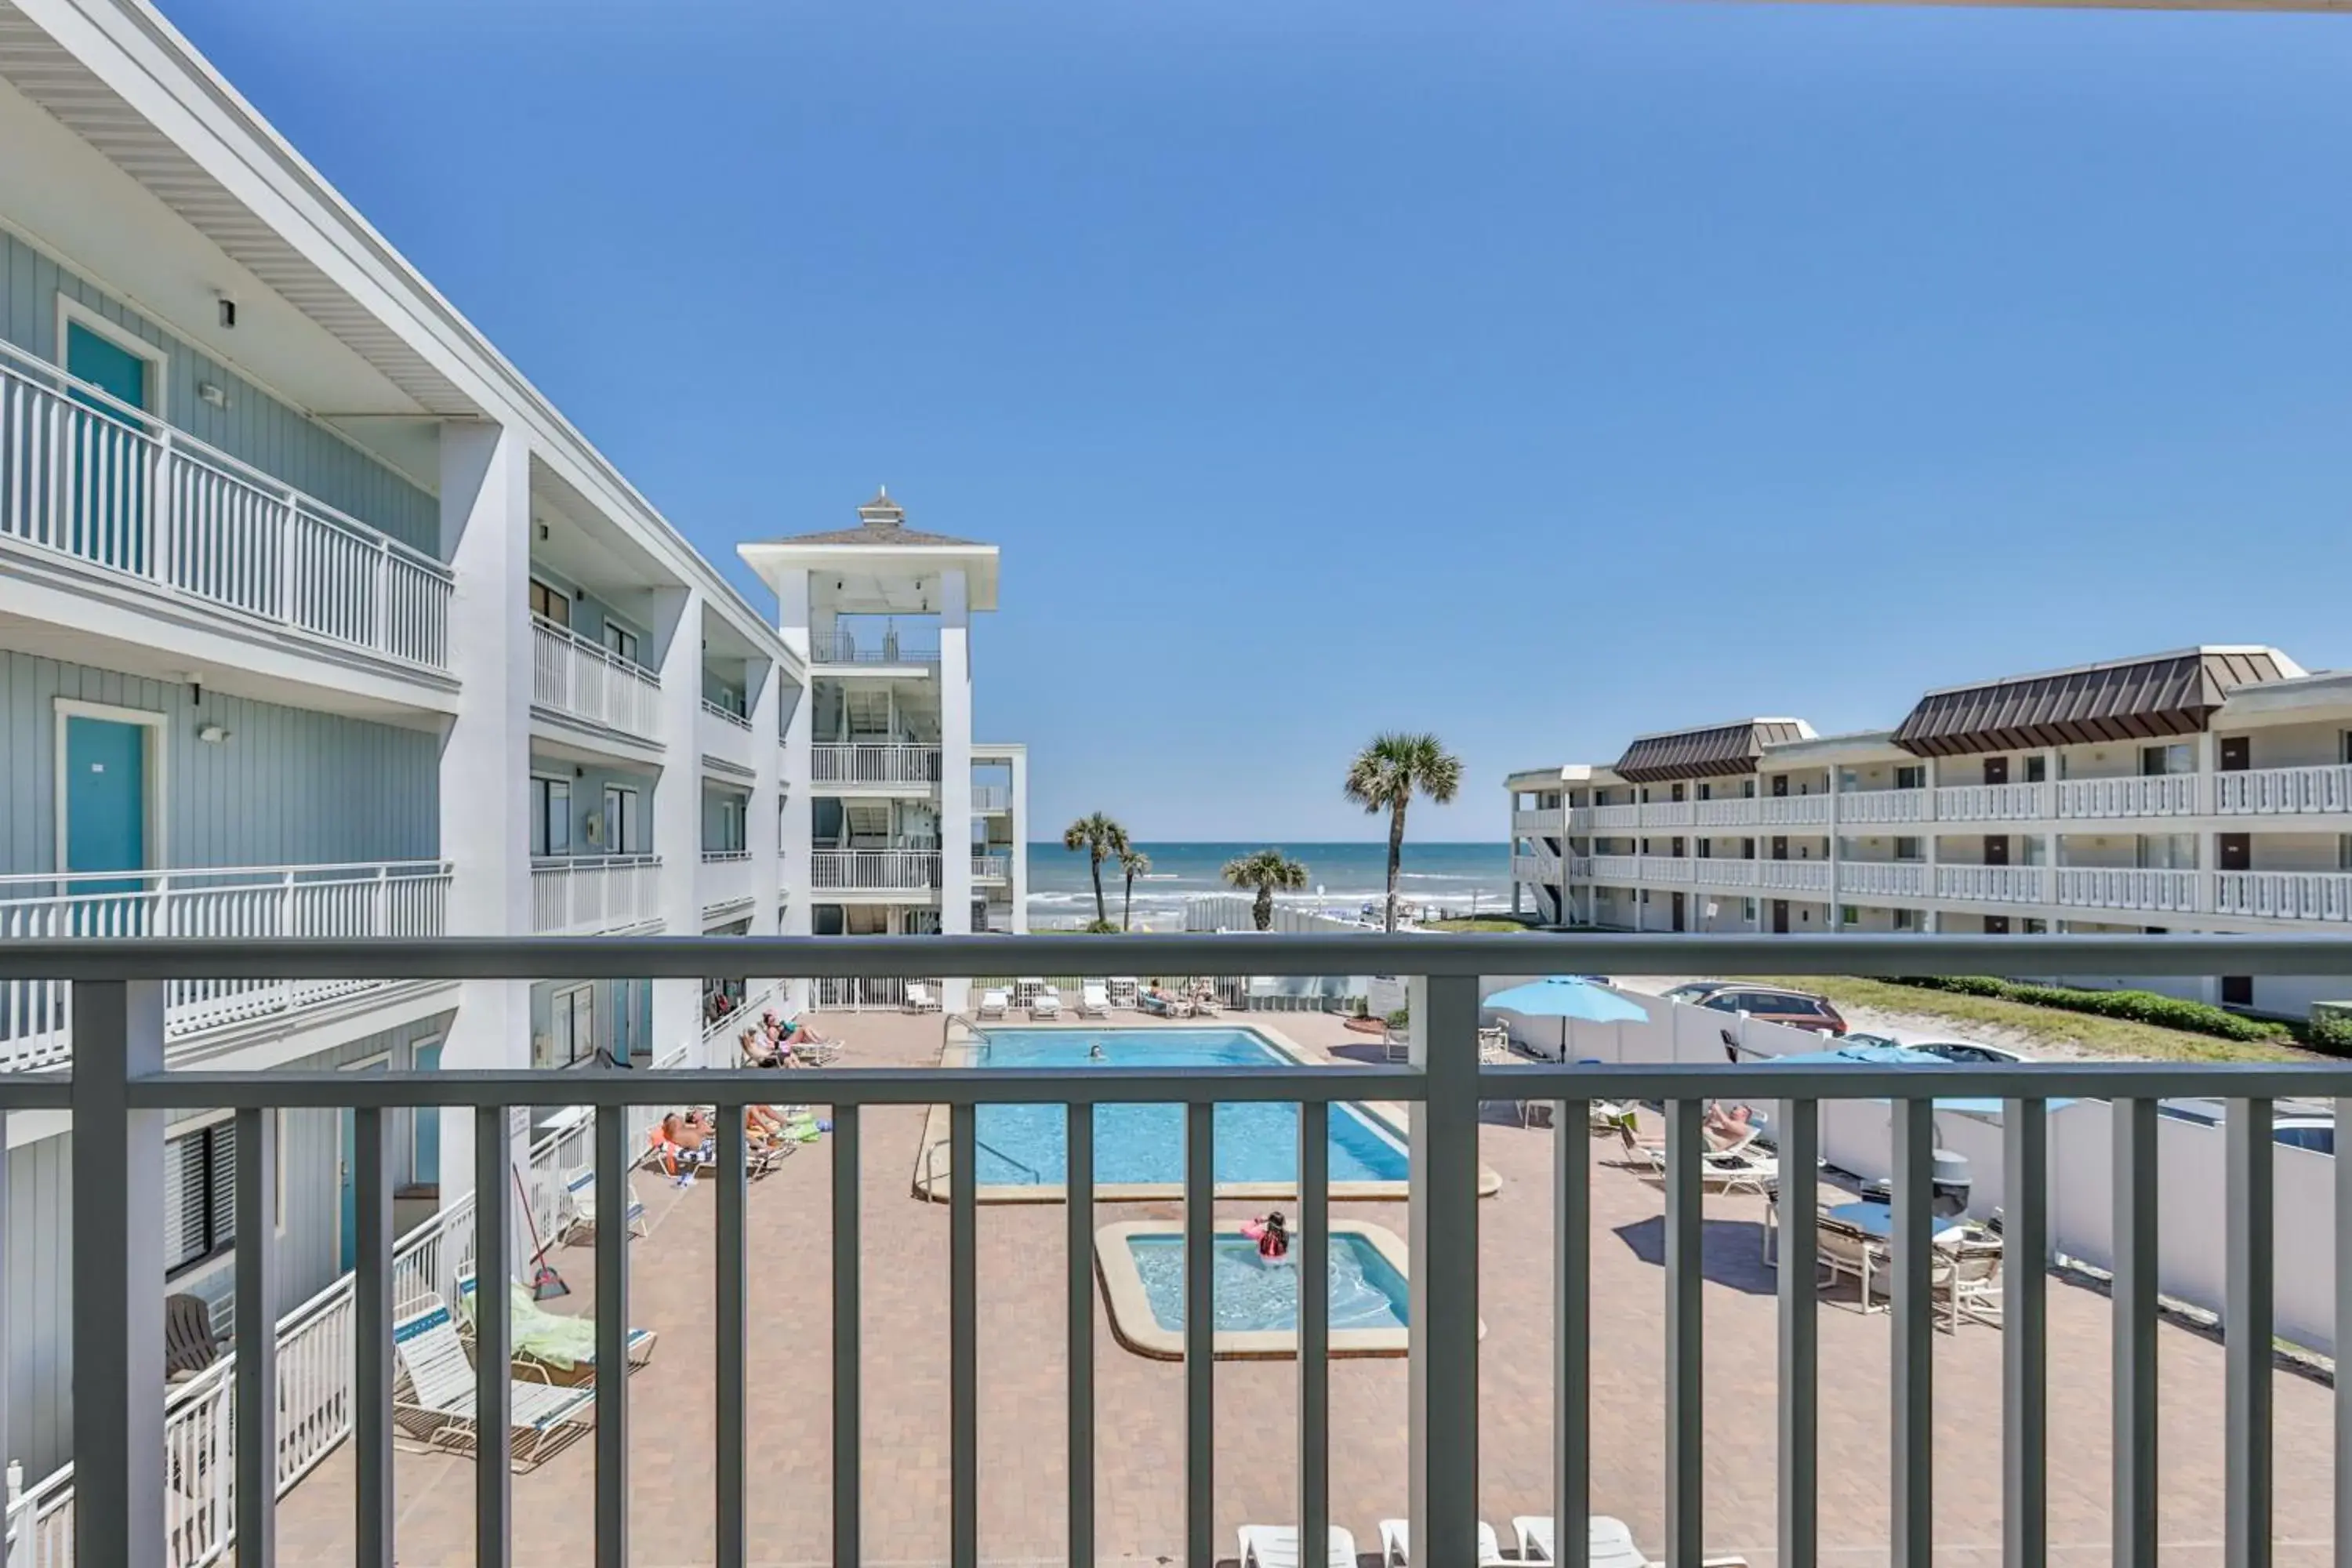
[874, 871]
[2152, 891]
[1993, 802]
[2284, 895]
[1881, 879]
[725, 714]
[1617, 868]
[1891, 806]
[1739, 811]
[1665, 869]
[1580, 868]
[991, 868]
[1709, 872]
[2284, 791]
[992, 797]
[572, 895]
[1794, 876]
[862, 764]
[1539, 819]
[2161, 795]
[572, 676]
[1666, 814]
[1994, 884]
[265, 903]
[86, 477]
[1792, 810]
[1605, 818]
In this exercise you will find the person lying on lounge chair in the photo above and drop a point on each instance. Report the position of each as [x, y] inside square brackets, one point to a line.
[688, 1137]
[1726, 1128]
[765, 1050]
[763, 1124]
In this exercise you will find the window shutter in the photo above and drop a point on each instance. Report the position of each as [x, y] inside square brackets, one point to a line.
[223, 1183]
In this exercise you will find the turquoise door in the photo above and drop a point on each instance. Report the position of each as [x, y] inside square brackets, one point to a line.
[424, 1164]
[349, 1228]
[109, 476]
[106, 814]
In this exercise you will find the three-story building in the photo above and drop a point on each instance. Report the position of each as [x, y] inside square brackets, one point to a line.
[2207, 789]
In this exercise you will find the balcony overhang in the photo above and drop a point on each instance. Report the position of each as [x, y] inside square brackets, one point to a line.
[1710, 751]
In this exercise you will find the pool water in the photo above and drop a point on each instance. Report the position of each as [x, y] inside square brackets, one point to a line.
[1028, 1145]
[1251, 1294]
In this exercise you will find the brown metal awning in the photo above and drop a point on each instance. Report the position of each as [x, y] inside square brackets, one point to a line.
[2149, 698]
[1704, 754]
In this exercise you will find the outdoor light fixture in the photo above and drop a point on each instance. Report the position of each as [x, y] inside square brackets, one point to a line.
[227, 312]
[212, 733]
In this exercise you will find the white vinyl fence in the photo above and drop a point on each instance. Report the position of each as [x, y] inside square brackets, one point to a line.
[1858, 1137]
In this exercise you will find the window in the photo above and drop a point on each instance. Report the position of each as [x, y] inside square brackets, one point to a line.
[550, 604]
[1748, 906]
[2344, 851]
[625, 832]
[1906, 919]
[1707, 792]
[1912, 777]
[1748, 789]
[551, 816]
[619, 639]
[1849, 915]
[2167, 852]
[199, 1196]
[2037, 769]
[1907, 849]
[2158, 761]
[2036, 928]
[570, 1029]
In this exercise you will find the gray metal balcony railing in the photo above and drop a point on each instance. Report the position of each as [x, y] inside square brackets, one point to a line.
[120, 1098]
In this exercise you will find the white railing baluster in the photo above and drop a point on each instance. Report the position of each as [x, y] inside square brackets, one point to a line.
[2135, 1310]
[2246, 1327]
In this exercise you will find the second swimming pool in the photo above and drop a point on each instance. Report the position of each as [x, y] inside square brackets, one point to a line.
[1028, 1145]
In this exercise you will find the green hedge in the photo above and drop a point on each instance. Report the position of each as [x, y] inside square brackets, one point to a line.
[2140, 1006]
[2331, 1028]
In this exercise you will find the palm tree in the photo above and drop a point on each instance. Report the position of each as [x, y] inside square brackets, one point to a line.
[1264, 870]
[1388, 774]
[1135, 863]
[1100, 837]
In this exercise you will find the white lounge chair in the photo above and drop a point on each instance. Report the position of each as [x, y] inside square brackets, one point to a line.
[433, 1400]
[528, 1321]
[1609, 1544]
[1204, 1000]
[1276, 1546]
[1094, 1001]
[1396, 1543]
[580, 1207]
[993, 1002]
[1046, 1004]
[919, 998]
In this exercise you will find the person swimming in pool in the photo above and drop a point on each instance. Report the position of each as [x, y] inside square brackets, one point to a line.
[1095, 1052]
[1273, 1238]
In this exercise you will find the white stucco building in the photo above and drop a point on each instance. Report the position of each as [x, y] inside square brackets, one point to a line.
[2204, 789]
[318, 619]
[907, 825]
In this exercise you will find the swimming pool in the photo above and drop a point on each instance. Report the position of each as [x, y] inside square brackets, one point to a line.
[1253, 1296]
[1143, 1145]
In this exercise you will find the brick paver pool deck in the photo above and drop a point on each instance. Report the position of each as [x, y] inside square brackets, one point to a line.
[1139, 1420]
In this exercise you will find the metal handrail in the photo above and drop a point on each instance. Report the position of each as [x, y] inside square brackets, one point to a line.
[119, 1093]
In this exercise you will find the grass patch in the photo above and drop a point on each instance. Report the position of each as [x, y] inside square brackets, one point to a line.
[2045, 1026]
[1481, 922]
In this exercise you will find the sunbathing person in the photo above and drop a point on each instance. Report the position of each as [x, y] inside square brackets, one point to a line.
[770, 1053]
[1724, 1129]
[688, 1137]
[762, 1124]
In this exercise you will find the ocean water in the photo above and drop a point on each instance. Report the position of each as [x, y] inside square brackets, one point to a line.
[1343, 878]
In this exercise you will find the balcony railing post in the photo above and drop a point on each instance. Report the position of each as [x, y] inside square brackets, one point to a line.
[2024, 1347]
[118, 1234]
[371, 1352]
[256, 1338]
[2246, 1326]
[2135, 1284]
[1443, 1406]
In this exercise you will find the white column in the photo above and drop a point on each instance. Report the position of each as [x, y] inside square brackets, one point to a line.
[1020, 878]
[1837, 847]
[761, 817]
[793, 841]
[677, 807]
[955, 772]
[486, 754]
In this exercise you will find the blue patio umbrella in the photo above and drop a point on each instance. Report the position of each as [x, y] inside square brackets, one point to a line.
[1567, 996]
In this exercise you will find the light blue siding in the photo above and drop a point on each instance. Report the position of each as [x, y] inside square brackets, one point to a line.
[254, 428]
[288, 787]
[40, 1218]
[590, 613]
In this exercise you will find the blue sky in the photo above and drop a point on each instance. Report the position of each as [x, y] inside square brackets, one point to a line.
[1531, 373]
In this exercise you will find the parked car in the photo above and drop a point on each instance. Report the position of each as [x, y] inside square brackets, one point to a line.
[2296, 1129]
[1772, 1004]
[1969, 1051]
